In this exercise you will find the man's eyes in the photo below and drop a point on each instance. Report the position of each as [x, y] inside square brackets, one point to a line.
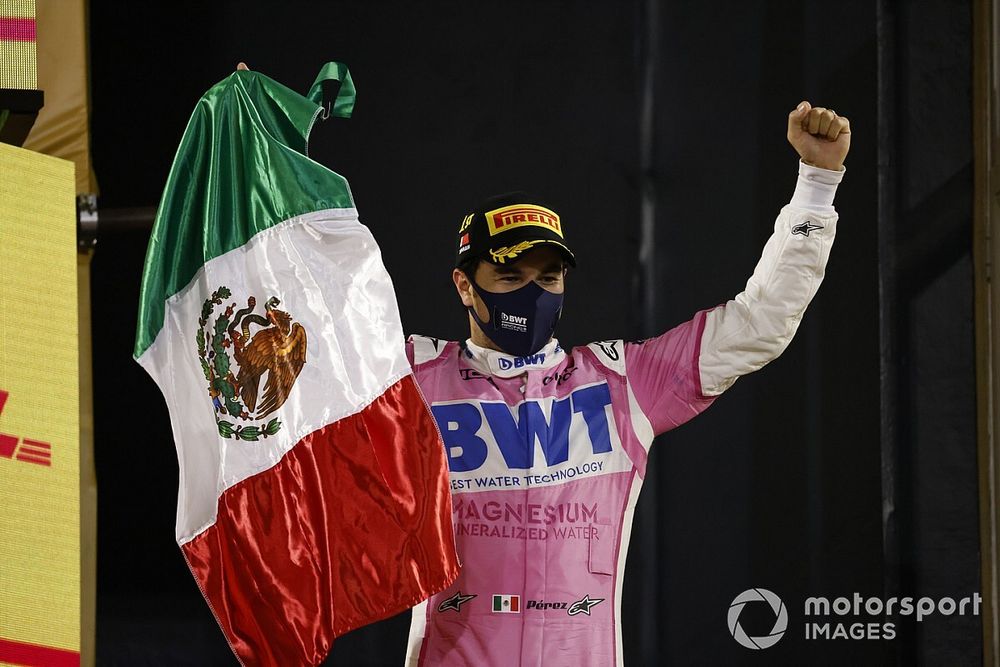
[549, 280]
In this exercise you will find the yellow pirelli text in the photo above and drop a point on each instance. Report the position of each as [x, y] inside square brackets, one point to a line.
[520, 215]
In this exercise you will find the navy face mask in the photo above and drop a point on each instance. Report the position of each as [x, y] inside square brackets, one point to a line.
[521, 321]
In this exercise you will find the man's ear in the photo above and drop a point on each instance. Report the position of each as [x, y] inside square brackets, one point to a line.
[463, 286]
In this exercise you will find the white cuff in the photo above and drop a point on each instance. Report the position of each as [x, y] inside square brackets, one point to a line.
[816, 188]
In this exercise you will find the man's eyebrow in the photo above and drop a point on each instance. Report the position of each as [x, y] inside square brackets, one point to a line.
[554, 267]
[506, 270]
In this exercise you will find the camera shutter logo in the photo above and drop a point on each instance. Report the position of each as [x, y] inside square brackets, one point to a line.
[780, 621]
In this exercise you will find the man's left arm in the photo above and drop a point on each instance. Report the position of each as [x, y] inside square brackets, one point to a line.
[677, 375]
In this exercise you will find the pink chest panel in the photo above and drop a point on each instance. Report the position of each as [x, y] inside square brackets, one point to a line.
[541, 469]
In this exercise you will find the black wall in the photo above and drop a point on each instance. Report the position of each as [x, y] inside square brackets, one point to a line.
[780, 485]
[777, 485]
[925, 225]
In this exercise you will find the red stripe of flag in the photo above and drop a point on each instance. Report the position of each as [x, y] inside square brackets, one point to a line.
[33, 655]
[17, 30]
[405, 551]
[3, 398]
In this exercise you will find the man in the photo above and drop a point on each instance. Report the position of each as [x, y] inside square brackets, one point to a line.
[547, 447]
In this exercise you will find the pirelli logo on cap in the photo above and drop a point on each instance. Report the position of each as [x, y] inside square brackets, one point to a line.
[521, 215]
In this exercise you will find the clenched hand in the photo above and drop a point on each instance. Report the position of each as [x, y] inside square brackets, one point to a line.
[821, 137]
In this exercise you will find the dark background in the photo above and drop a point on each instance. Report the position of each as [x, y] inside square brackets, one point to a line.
[656, 130]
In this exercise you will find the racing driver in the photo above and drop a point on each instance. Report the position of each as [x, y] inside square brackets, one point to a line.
[547, 447]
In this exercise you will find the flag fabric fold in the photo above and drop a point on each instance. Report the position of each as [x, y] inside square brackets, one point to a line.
[313, 488]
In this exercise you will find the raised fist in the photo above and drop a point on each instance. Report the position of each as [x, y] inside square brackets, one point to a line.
[821, 137]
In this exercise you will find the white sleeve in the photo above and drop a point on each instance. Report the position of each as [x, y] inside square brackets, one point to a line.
[754, 328]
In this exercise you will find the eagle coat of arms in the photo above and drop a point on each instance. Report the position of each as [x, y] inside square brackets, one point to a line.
[235, 358]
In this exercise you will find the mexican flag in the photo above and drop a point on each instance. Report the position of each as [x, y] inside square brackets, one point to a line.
[507, 604]
[313, 487]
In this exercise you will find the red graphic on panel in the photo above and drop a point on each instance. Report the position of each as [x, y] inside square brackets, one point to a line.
[25, 450]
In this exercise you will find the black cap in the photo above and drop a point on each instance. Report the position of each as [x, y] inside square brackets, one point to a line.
[503, 227]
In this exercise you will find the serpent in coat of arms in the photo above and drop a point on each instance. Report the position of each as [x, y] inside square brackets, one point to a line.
[234, 360]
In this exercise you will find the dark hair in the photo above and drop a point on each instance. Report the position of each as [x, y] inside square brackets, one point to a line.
[469, 265]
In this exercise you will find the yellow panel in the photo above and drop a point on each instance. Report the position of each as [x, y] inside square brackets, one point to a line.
[39, 524]
[62, 128]
[17, 9]
[88, 474]
[18, 65]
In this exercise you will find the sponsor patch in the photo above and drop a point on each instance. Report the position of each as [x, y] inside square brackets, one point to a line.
[506, 604]
[455, 602]
[507, 363]
[584, 606]
[542, 604]
[522, 215]
[467, 426]
[805, 228]
[608, 347]
[472, 374]
[559, 377]
[518, 323]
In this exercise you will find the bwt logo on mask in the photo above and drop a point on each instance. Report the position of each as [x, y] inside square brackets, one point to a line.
[513, 322]
[466, 428]
[507, 363]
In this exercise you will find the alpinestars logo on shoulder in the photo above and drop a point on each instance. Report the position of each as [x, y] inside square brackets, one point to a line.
[804, 228]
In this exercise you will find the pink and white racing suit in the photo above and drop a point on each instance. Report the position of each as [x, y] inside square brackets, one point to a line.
[547, 454]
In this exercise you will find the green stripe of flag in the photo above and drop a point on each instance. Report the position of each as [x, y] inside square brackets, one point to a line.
[239, 170]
